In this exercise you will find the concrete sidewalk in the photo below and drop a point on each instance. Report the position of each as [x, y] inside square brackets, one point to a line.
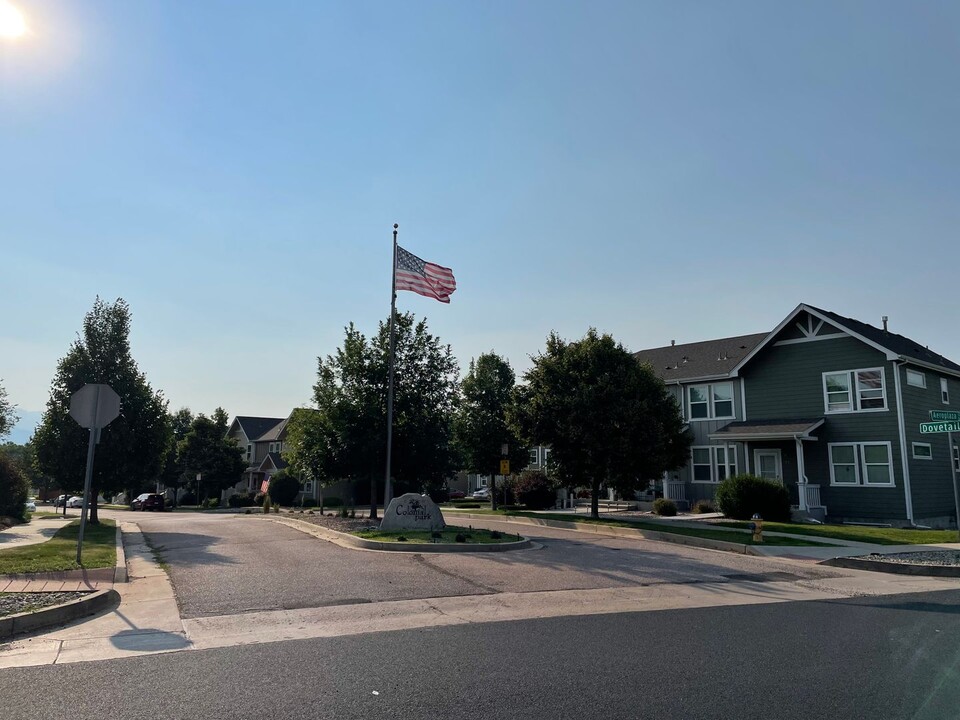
[36, 531]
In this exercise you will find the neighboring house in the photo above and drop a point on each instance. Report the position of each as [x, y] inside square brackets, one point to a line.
[262, 440]
[828, 405]
[539, 460]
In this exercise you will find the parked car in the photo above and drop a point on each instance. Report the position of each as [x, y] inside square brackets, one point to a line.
[147, 501]
[482, 494]
[60, 501]
[456, 494]
[75, 502]
[30, 505]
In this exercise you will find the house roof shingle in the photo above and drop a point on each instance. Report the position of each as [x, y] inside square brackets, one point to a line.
[255, 427]
[700, 359]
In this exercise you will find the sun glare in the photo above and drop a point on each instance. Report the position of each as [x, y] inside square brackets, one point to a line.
[12, 23]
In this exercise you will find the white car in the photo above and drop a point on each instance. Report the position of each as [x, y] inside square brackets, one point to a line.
[30, 505]
[481, 494]
[75, 502]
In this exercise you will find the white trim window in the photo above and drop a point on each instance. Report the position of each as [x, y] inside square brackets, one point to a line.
[534, 459]
[922, 451]
[854, 391]
[713, 463]
[308, 487]
[861, 464]
[249, 455]
[915, 378]
[944, 391]
[711, 402]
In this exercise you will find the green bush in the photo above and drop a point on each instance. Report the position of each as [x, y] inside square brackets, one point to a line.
[664, 507]
[14, 490]
[188, 498]
[211, 503]
[284, 487]
[534, 490]
[703, 506]
[740, 496]
[258, 499]
[266, 503]
[240, 500]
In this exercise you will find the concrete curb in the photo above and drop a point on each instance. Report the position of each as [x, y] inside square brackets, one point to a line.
[615, 531]
[893, 568]
[120, 570]
[352, 541]
[58, 614]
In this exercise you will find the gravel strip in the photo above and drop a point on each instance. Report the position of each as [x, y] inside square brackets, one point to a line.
[11, 603]
[926, 557]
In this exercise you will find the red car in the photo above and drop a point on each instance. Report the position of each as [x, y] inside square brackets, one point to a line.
[147, 501]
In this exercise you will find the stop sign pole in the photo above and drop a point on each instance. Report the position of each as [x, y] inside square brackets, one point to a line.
[93, 407]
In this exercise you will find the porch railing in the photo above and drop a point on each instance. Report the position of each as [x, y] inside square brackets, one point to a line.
[812, 495]
[675, 490]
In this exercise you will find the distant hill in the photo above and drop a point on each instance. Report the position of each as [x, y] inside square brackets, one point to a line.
[29, 419]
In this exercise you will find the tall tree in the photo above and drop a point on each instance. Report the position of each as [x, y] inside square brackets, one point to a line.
[345, 435]
[132, 448]
[206, 450]
[480, 428]
[174, 473]
[8, 416]
[24, 457]
[608, 419]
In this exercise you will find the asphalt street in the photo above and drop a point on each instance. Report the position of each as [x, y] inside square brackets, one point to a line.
[894, 657]
[227, 564]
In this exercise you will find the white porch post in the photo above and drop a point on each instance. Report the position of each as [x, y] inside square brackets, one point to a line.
[801, 476]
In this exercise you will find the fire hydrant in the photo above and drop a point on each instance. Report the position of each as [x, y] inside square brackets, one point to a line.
[757, 527]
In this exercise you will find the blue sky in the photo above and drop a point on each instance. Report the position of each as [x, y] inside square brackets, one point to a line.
[673, 170]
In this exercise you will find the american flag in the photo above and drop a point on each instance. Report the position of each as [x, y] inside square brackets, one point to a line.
[422, 277]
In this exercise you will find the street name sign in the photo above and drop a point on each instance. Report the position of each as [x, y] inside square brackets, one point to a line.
[945, 415]
[940, 427]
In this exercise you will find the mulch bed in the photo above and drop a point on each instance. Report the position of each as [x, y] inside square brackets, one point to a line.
[333, 523]
[11, 603]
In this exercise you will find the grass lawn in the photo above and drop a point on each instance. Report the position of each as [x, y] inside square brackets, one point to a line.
[876, 535]
[474, 537]
[744, 538]
[60, 551]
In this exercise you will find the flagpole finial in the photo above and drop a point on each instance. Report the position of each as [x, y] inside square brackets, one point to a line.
[395, 226]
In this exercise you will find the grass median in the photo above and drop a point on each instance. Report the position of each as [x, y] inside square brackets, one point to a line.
[471, 536]
[60, 552]
[858, 533]
[740, 536]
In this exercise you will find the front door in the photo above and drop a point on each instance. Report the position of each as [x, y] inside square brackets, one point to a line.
[767, 465]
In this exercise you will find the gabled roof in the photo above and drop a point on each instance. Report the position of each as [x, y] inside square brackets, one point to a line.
[699, 360]
[255, 427]
[892, 345]
[274, 432]
[275, 459]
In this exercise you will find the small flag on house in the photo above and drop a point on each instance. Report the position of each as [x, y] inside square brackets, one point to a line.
[422, 277]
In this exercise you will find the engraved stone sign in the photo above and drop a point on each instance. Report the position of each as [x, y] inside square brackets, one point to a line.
[412, 512]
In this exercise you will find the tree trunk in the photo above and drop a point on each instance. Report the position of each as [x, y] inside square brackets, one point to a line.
[373, 497]
[92, 517]
[595, 498]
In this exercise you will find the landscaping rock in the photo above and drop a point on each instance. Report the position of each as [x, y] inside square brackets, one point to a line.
[412, 512]
[924, 557]
[11, 603]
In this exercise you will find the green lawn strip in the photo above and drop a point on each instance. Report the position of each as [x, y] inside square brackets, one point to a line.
[876, 535]
[449, 535]
[46, 514]
[743, 538]
[60, 551]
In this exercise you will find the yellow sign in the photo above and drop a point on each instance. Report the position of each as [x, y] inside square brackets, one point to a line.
[504, 467]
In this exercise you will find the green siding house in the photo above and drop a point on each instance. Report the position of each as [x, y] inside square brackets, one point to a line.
[828, 405]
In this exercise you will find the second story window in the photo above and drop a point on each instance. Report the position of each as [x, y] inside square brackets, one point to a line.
[854, 391]
[944, 391]
[711, 402]
[534, 456]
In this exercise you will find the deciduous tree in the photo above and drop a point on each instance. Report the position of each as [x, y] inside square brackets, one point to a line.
[132, 448]
[608, 419]
[207, 450]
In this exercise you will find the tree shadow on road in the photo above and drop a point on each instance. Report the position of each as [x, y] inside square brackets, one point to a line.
[184, 549]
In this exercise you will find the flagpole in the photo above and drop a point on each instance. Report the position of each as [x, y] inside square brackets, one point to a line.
[387, 489]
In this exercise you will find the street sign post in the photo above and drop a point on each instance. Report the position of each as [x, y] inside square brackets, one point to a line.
[94, 406]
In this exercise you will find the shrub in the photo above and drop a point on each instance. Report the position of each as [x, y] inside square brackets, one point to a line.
[401, 538]
[343, 512]
[703, 506]
[14, 490]
[495, 535]
[211, 502]
[248, 511]
[534, 489]
[284, 487]
[353, 514]
[461, 537]
[740, 496]
[259, 498]
[665, 507]
[188, 498]
[439, 495]
[233, 501]
[267, 503]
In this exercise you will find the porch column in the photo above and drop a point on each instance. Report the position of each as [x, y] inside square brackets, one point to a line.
[801, 477]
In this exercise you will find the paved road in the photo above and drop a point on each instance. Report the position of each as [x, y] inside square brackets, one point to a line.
[227, 564]
[894, 657]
